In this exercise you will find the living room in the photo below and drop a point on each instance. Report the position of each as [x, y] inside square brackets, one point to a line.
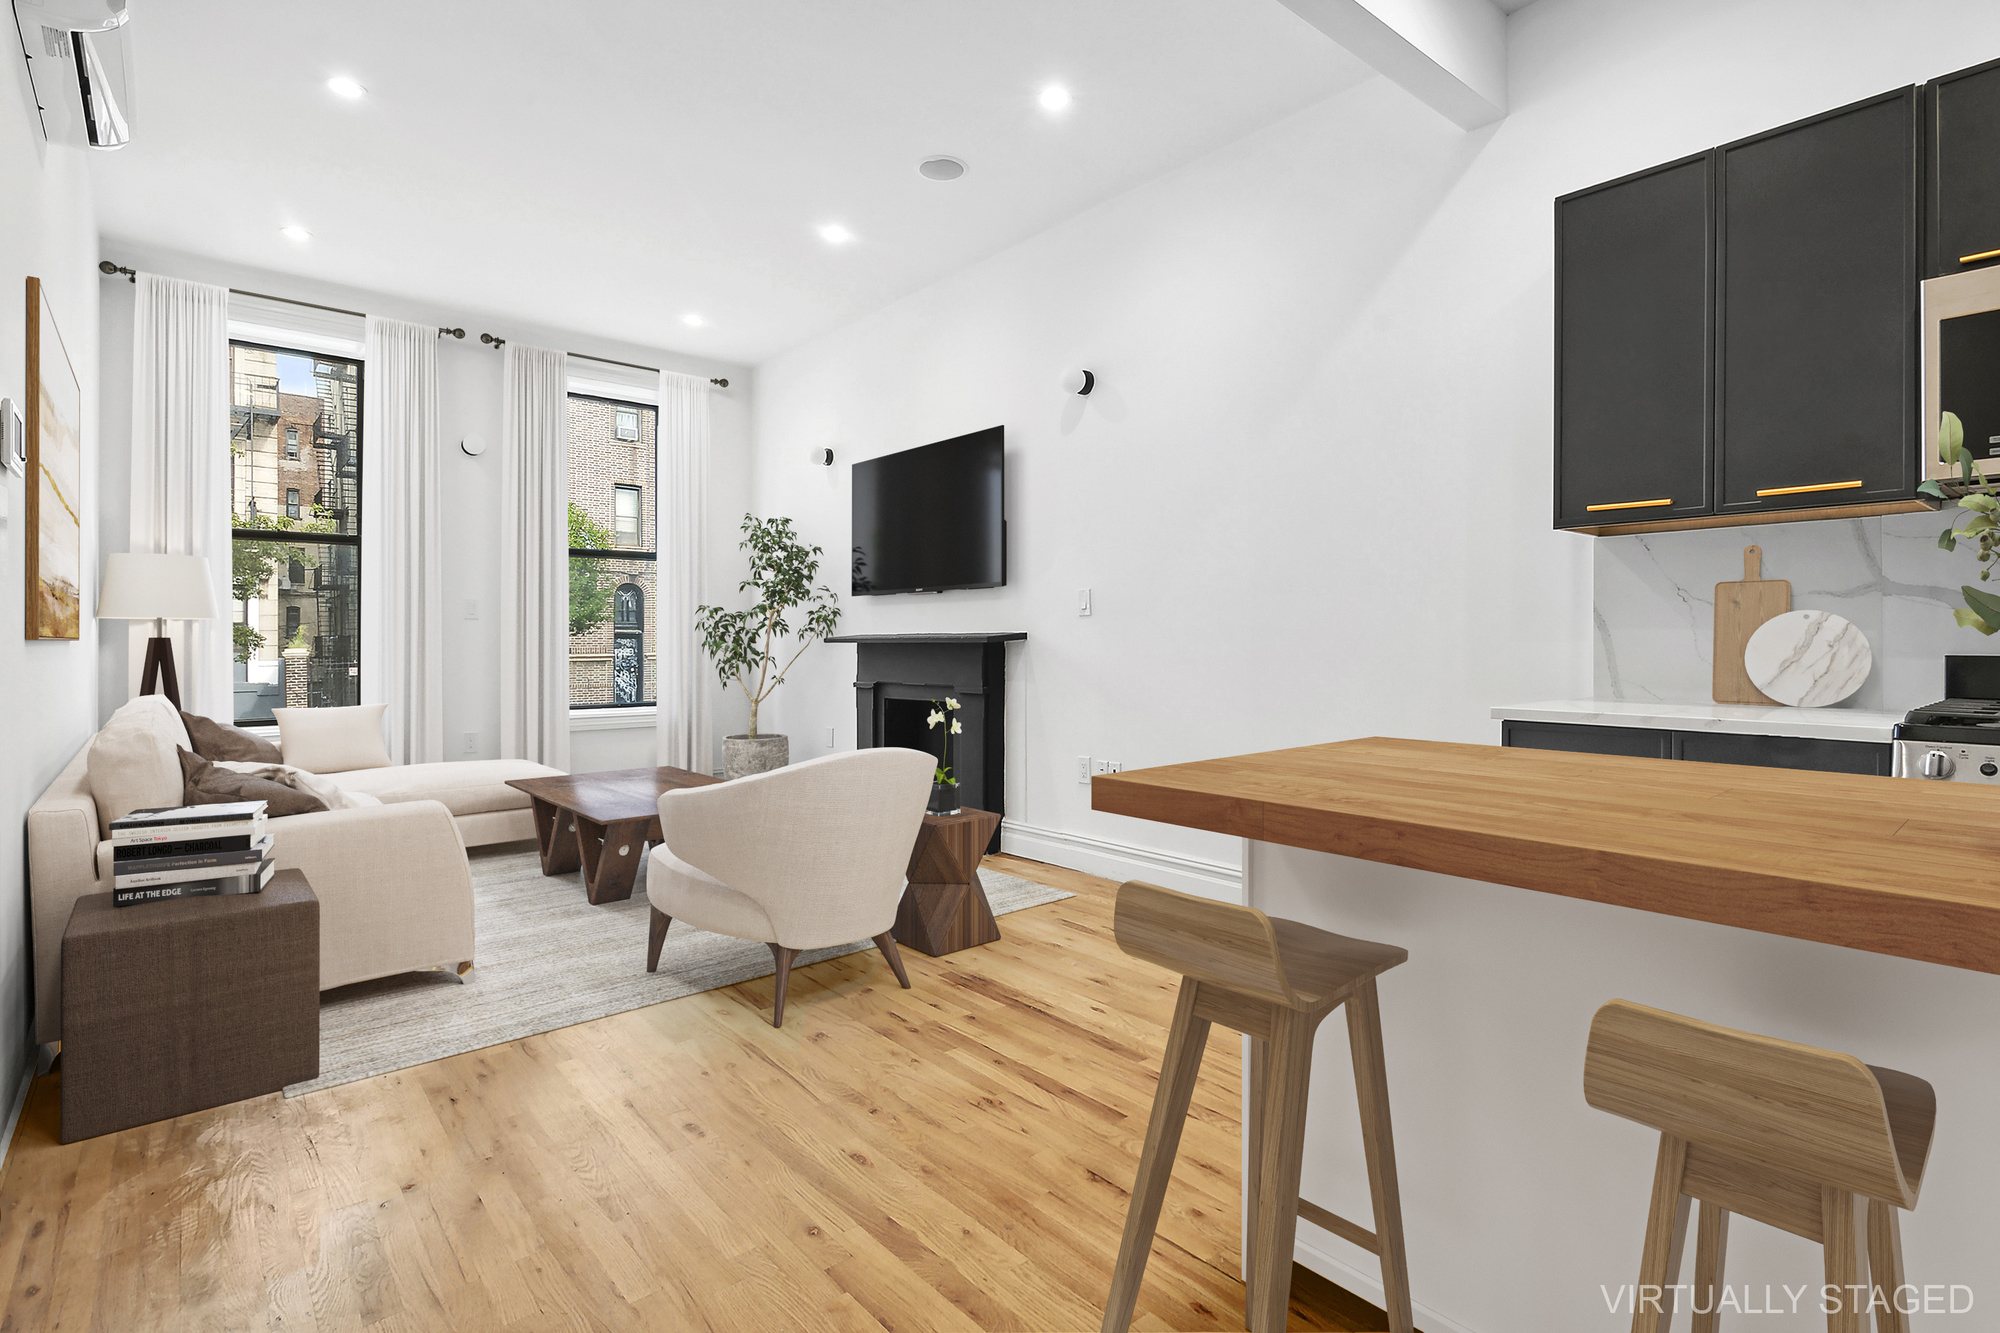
[480, 361]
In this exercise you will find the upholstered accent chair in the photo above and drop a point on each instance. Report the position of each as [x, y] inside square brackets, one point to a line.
[800, 858]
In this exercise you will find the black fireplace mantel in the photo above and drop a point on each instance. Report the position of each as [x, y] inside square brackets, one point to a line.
[894, 671]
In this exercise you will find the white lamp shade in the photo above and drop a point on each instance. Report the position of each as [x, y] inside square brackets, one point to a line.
[139, 586]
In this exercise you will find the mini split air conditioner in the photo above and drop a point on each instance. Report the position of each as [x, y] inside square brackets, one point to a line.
[80, 65]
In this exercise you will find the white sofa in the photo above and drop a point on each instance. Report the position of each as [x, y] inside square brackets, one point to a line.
[394, 888]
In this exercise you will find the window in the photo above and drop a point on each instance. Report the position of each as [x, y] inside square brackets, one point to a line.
[612, 631]
[295, 567]
[625, 506]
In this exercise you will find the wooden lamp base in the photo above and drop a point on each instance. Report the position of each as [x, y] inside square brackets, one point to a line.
[159, 670]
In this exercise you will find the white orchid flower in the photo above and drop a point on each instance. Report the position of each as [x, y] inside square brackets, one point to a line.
[955, 728]
[934, 719]
[950, 703]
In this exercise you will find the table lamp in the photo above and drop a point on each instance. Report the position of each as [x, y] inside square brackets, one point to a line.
[159, 588]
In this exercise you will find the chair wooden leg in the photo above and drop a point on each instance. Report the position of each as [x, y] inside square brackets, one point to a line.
[1666, 1235]
[784, 959]
[656, 935]
[1844, 1232]
[1288, 1069]
[1182, 1062]
[1253, 1165]
[1371, 1087]
[1885, 1266]
[886, 942]
[1711, 1245]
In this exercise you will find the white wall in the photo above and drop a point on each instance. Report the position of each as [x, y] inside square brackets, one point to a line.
[48, 229]
[469, 388]
[1312, 492]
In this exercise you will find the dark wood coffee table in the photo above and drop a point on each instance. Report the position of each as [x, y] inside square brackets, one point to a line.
[944, 908]
[602, 822]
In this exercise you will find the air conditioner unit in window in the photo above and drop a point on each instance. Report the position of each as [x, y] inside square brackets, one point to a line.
[284, 584]
[80, 66]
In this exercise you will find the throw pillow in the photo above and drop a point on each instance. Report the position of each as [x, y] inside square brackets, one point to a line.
[332, 740]
[131, 762]
[216, 740]
[206, 784]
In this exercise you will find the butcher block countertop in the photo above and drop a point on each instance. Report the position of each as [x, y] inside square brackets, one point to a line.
[1894, 866]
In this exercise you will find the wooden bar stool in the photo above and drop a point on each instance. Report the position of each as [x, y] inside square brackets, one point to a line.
[1273, 981]
[1809, 1141]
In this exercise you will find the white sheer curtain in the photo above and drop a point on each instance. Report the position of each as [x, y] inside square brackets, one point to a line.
[685, 691]
[401, 431]
[180, 468]
[534, 557]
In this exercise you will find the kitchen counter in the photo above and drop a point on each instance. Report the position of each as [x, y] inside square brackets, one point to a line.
[1833, 724]
[1856, 913]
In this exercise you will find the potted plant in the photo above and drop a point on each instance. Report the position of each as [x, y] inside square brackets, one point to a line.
[944, 787]
[743, 644]
[1982, 497]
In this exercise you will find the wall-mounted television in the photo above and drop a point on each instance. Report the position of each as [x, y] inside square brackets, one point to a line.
[932, 519]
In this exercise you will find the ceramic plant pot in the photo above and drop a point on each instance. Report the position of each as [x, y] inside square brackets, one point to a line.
[744, 755]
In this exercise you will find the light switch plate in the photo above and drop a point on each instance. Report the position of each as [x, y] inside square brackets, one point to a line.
[1083, 601]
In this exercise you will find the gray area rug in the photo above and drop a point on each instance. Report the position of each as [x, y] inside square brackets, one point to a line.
[548, 959]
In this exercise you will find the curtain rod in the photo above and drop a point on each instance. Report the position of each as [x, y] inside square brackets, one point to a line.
[497, 343]
[110, 269]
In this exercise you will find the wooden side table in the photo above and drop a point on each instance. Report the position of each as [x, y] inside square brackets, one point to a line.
[944, 909]
[178, 1006]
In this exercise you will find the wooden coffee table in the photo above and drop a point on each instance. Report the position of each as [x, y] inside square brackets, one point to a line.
[602, 822]
[944, 909]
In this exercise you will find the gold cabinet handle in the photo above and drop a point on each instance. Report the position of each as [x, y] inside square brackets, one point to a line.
[1983, 254]
[1633, 504]
[1819, 486]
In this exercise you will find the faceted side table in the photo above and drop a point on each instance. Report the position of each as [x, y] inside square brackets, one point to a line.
[944, 909]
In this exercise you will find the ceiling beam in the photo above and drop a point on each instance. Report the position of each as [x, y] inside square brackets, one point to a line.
[1449, 54]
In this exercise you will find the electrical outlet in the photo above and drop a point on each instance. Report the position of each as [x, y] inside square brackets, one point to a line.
[1114, 766]
[1083, 769]
[1098, 766]
[472, 742]
[471, 610]
[1083, 601]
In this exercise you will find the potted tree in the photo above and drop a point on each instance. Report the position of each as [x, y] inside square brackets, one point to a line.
[743, 644]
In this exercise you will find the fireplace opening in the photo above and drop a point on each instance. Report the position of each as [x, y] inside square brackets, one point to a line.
[903, 726]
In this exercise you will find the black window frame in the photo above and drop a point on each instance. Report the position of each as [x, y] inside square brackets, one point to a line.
[623, 552]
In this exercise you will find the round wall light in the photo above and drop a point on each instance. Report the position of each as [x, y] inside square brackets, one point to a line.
[1079, 382]
[473, 445]
[822, 456]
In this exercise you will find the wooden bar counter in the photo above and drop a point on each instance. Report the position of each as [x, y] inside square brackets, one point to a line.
[1860, 914]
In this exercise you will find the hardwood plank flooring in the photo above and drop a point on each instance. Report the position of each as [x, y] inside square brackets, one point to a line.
[952, 1157]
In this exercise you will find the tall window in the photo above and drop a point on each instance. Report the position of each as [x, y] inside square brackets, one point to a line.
[612, 632]
[295, 506]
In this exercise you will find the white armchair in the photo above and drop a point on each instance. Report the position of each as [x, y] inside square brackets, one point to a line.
[801, 857]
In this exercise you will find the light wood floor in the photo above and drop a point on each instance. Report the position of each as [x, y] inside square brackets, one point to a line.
[952, 1157]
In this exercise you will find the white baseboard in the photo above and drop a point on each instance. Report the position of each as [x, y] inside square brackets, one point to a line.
[1119, 860]
[1367, 1284]
[14, 1111]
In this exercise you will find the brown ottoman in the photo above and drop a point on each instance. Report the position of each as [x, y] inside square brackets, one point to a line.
[178, 1006]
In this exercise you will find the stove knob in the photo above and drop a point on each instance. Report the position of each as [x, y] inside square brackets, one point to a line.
[1937, 764]
[1989, 769]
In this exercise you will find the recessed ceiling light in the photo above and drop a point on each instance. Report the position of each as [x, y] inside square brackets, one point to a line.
[342, 86]
[941, 168]
[835, 234]
[693, 320]
[295, 233]
[1055, 97]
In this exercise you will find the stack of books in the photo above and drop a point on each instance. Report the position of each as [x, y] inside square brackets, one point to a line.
[190, 851]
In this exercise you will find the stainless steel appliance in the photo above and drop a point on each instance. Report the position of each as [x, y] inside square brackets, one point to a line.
[1956, 739]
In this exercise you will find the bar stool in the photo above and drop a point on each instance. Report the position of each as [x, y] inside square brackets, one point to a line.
[1272, 980]
[1809, 1141]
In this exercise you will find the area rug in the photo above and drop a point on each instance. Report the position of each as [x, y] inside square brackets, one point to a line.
[548, 959]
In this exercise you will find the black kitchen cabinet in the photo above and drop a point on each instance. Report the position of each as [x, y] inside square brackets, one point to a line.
[1634, 311]
[1708, 747]
[1817, 253]
[1962, 154]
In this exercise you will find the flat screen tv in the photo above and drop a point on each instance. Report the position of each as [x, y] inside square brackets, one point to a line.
[932, 519]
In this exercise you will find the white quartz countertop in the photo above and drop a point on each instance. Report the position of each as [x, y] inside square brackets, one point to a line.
[1832, 724]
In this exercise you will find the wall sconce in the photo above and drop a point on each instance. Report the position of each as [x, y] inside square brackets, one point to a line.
[473, 446]
[1078, 382]
[822, 456]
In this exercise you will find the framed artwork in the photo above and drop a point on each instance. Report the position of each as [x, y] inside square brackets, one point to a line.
[55, 475]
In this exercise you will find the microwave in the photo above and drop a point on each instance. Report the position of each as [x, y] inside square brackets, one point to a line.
[1961, 332]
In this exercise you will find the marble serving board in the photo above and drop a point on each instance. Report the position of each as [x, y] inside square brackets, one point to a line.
[1809, 659]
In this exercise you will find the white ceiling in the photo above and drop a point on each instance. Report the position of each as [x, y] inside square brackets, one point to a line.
[610, 166]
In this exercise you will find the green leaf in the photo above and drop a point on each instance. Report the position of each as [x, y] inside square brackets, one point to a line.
[1984, 605]
[1948, 540]
[1951, 438]
[1971, 621]
[1983, 503]
[1932, 489]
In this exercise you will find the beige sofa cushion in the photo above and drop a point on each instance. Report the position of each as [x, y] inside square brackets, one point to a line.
[134, 762]
[465, 787]
[332, 740]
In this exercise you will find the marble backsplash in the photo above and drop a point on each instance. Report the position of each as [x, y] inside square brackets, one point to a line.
[1654, 602]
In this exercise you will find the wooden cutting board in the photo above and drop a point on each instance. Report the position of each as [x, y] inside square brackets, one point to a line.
[1739, 609]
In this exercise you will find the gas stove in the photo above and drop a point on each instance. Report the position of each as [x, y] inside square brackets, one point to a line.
[1956, 739]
